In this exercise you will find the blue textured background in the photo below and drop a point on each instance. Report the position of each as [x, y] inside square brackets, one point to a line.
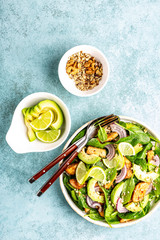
[34, 35]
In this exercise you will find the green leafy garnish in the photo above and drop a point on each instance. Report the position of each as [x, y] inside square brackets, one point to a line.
[127, 190]
[102, 135]
[79, 135]
[95, 143]
[110, 173]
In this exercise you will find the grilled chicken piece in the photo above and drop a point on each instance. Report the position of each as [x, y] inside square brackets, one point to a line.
[71, 169]
[150, 155]
[97, 151]
[75, 184]
[111, 136]
[129, 171]
[140, 191]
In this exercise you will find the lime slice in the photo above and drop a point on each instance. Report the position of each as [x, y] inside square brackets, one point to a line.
[43, 121]
[48, 136]
[97, 173]
[118, 162]
[126, 149]
[81, 173]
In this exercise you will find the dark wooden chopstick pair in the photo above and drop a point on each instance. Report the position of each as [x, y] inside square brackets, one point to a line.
[72, 152]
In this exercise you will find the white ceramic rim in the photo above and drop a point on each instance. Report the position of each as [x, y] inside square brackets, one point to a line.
[69, 53]
[81, 213]
[43, 95]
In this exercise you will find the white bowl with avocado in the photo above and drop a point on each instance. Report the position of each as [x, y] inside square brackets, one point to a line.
[22, 138]
[82, 213]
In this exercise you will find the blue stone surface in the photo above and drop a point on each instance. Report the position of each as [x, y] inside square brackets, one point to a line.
[33, 37]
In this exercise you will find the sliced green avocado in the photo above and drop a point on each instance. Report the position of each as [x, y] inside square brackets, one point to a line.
[24, 110]
[46, 105]
[143, 175]
[92, 193]
[28, 116]
[138, 148]
[88, 159]
[30, 132]
[136, 207]
[115, 194]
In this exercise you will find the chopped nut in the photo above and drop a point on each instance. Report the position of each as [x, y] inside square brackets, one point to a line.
[85, 70]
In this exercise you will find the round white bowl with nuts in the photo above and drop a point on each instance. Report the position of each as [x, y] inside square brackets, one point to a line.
[69, 83]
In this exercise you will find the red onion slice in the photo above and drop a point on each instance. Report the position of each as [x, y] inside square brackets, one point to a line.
[120, 130]
[119, 206]
[149, 189]
[122, 174]
[111, 151]
[93, 204]
[155, 161]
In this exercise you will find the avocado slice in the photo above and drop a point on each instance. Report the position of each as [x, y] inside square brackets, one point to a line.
[88, 159]
[30, 132]
[115, 194]
[92, 193]
[136, 207]
[143, 175]
[28, 116]
[46, 105]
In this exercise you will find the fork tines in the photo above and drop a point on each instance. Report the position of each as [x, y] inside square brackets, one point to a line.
[107, 120]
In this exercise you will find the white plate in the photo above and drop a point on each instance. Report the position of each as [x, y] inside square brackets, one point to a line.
[81, 213]
[69, 84]
[17, 134]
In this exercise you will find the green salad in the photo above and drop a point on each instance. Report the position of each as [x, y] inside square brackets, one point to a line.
[116, 176]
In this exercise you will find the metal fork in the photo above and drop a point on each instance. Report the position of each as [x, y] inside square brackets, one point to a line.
[74, 149]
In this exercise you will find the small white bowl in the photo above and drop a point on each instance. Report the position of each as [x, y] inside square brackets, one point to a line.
[69, 84]
[17, 137]
[82, 213]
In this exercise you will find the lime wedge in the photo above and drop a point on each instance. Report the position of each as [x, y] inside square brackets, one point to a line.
[48, 136]
[81, 172]
[126, 149]
[118, 162]
[43, 121]
[97, 173]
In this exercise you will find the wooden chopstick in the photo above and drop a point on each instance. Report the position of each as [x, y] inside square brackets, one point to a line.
[57, 173]
[53, 163]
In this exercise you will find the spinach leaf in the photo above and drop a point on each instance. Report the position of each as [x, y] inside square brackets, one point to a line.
[95, 143]
[142, 154]
[95, 216]
[79, 135]
[122, 124]
[66, 183]
[135, 215]
[128, 189]
[133, 139]
[110, 173]
[143, 138]
[141, 162]
[153, 138]
[82, 200]
[157, 150]
[73, 195]
[102, 135]
[109, 214]
[156, 184]
[100, 164]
